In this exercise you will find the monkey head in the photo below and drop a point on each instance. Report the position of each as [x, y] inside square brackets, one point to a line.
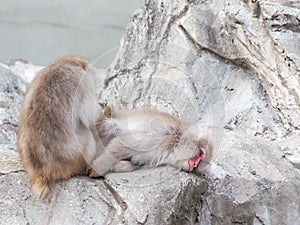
[192, 153]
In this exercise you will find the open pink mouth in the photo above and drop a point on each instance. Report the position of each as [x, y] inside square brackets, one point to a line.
[191, 164]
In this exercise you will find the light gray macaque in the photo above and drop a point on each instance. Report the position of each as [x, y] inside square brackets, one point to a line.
[59, 110]
[147, 137]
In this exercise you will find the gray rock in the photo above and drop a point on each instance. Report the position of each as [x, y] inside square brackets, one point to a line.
[233, 67]
[145, 196]
[219, 62]
[77, 201]
[251, 182]
[12, 88]
[291, 148]
[128, 198]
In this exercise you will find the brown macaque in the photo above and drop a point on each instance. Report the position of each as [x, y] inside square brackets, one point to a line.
[55, 137]
[147, 137]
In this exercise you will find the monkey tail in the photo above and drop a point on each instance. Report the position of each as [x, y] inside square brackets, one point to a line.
[41, 188]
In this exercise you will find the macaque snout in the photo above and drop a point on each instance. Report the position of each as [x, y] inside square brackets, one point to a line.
[193, 163]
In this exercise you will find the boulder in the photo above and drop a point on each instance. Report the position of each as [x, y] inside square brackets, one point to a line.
[147, 196]
[233, 67]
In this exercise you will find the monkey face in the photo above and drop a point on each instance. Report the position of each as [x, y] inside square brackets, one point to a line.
[192, 154]
[191, 164]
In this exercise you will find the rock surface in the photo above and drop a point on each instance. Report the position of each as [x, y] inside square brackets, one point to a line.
[231, 65]
[149, 196]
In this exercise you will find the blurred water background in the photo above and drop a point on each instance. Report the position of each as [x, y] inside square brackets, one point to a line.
[43, 31]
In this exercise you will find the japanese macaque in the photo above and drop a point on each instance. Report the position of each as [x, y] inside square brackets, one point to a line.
[55, 137]
[147, 137]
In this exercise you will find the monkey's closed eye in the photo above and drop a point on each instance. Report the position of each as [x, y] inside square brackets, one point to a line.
[202, 153]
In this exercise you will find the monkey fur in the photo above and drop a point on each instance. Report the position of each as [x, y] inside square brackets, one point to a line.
[55, 140]
[147, 137]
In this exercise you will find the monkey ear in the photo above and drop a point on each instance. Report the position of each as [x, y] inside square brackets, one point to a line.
[108, 111]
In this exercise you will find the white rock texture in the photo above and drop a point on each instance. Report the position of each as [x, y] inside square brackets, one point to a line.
[232, 66]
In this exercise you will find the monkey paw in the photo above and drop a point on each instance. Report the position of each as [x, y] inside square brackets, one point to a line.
[93, 174]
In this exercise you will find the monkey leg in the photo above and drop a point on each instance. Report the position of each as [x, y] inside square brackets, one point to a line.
[112, 159]
[89, 151]
[102, 164]
[93, 174]
[88, 148]
[124, 166]
[119, 167]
